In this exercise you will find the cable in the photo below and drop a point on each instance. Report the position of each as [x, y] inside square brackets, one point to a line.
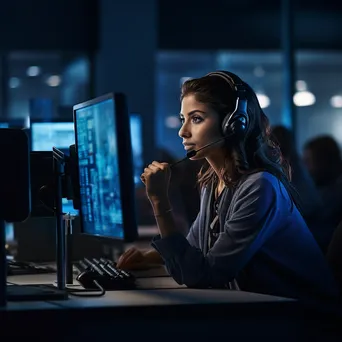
[86, 293]
[46, 206]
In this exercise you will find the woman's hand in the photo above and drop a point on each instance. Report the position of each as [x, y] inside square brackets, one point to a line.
[156, 178]
[135, 259]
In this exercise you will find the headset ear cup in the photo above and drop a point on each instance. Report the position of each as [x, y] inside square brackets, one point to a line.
[239, 125]
[235, 124]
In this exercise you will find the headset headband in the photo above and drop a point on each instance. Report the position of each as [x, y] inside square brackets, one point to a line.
[238, 87]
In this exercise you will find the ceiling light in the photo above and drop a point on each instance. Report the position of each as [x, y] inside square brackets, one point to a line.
[264, 100]
[172, 122]
[336, 101]
[304, 98]
[53, 81]
[14, 82]
[33, 71]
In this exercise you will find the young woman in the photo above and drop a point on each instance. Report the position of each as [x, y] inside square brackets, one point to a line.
[249, 233]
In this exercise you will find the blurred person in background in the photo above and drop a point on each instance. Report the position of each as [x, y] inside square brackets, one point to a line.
[310, 200]
[322, 157]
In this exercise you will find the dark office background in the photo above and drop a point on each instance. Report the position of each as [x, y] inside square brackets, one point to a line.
[57, 53]
[69, 51]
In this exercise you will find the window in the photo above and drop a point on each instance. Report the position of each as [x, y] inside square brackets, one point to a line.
[319, 74]
[262, 71]
[318, 98]
[46, 84]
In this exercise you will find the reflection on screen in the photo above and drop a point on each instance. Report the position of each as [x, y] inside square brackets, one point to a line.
[98, 170]
[136, 138]
[45, 135]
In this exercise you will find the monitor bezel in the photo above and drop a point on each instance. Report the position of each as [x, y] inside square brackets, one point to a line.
[127, 187]
[51, 120]
[139, 117]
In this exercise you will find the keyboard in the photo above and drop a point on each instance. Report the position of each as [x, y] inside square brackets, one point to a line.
[105, 273]
[26, 268]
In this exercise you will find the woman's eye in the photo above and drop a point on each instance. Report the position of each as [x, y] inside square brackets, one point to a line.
[196, 119]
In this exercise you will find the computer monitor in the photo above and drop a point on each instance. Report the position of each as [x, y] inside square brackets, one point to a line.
[52, 133]
[104, 153]
[137, 147]
[48, 133]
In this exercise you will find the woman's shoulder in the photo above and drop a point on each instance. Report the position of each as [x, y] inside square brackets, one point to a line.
[259, 177]
[261, 184]
[262, 187]
[249, 181]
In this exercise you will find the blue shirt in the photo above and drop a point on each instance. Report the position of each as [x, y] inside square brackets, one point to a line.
[264, 244]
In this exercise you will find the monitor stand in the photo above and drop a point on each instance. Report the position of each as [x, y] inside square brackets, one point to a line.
[19, 293]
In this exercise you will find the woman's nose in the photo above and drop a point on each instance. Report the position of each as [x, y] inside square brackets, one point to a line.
[184, 132]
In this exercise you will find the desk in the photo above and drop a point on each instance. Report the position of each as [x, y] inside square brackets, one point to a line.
[168, 309]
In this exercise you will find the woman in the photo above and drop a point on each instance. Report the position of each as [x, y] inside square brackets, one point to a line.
[249, 233]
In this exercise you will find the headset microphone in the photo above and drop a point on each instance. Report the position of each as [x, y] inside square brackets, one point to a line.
[191, 154]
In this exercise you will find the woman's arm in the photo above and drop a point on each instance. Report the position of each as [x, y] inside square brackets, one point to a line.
[253, 218]
[151, 256]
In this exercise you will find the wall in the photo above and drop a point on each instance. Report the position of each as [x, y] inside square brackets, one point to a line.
[52, 24]
[125, 61]
[246, 24]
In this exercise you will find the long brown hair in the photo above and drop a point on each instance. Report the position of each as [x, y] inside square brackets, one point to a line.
[257, 151]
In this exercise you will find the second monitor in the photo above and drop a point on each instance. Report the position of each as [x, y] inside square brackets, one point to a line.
[52, 132]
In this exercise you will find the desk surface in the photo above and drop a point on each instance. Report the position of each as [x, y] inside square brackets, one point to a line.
[159, 306]
[155, 291]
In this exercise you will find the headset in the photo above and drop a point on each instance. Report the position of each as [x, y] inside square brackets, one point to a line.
[236, 123]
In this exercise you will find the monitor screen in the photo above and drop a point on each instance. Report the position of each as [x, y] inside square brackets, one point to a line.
[45, 135]
[104, 165]
[137, 148]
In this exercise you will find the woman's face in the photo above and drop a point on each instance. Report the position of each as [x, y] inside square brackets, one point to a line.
[201, 125]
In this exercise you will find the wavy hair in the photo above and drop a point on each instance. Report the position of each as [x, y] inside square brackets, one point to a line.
[256, 151]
